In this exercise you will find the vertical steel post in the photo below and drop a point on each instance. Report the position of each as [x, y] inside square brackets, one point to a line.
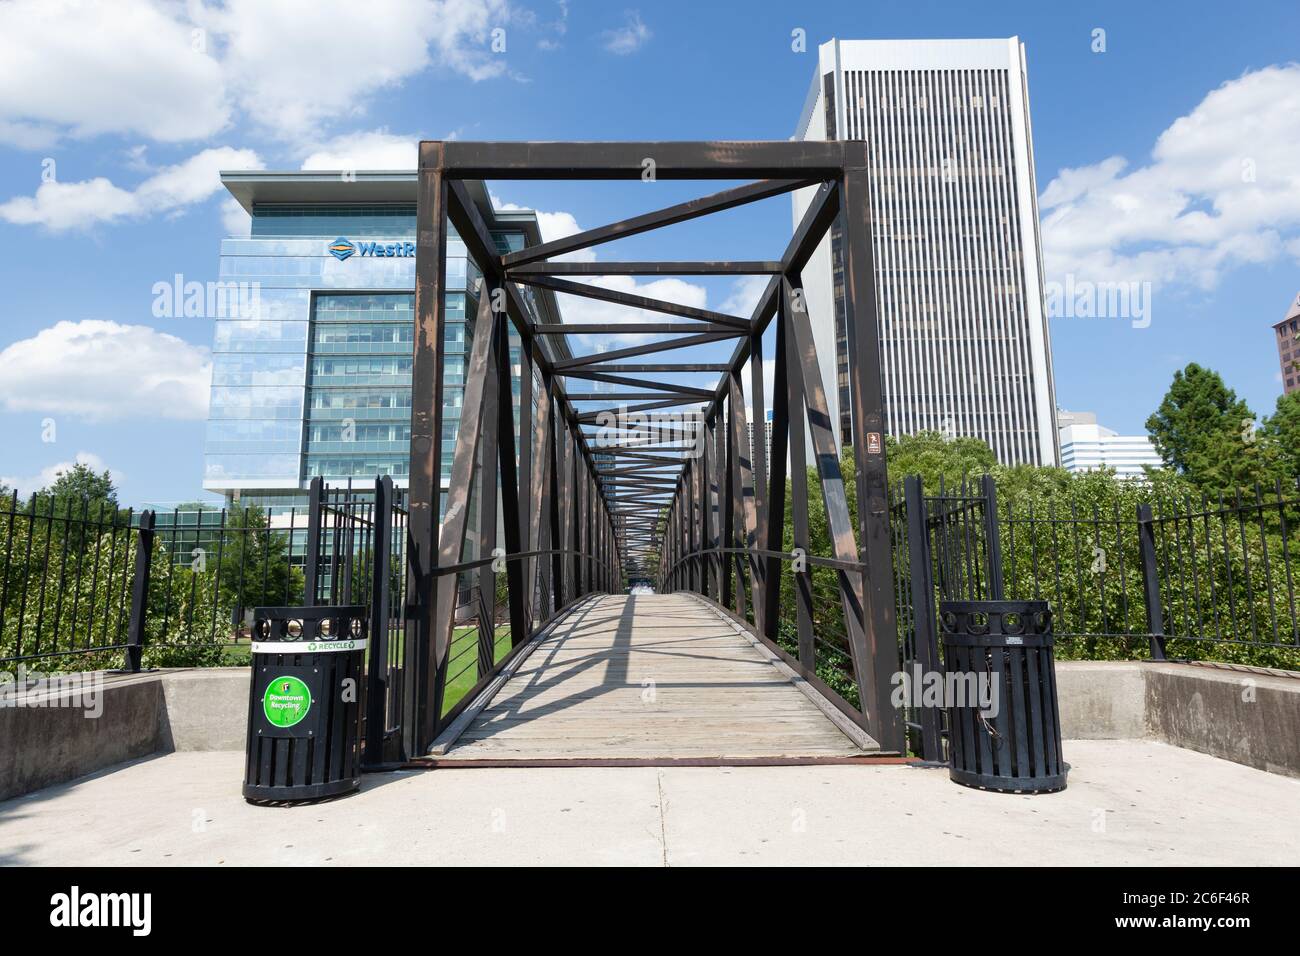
[420, 712]
[380, 602]
[924, 623]
[488, 488]
[867, 396]
[707, 466]
[1151, 581]
[527, 499]
[721, 495]
[775, 509]
[758, 464]
[797, 444]
[992, 536]
[315, 516]
[748, 531]
[514, 524]
[135, 628]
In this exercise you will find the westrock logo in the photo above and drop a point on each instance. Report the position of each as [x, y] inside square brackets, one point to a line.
[342, 248]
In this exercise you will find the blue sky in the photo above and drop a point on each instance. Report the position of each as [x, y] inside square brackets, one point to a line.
[138, 102]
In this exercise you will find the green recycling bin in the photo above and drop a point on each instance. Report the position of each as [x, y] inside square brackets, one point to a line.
[304, 704]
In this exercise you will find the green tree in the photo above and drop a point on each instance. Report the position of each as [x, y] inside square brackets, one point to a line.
[932, 456]
[255, 568]
[77, 486]
[84, 496]
[1204, 431]
[1283, 430]
[187, 506]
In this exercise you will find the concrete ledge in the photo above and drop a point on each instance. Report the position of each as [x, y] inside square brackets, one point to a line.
[205, 709]
[1101, 700]
[1246, 717]
[1249, 718]
[49, 737]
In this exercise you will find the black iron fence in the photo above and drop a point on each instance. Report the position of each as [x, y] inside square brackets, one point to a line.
[90, 587]
[87, 587]
[67, 578]
[1166, 578]
[1193, 577]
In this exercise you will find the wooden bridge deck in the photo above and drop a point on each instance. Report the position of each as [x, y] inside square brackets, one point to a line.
[651, 676]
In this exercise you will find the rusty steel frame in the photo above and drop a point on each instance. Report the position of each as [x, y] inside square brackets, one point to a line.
[587, 517]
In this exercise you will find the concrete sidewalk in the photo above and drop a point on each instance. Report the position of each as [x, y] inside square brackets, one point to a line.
[1128, 803]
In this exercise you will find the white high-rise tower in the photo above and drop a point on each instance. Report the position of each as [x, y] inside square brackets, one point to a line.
[965, 348]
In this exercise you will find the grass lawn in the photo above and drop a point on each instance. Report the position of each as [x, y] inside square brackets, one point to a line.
[462, 672]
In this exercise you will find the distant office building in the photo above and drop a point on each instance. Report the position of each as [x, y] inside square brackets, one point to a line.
[1087, 446]
[318, 381]
[965, 347]
[1288, 347]
[767, 437]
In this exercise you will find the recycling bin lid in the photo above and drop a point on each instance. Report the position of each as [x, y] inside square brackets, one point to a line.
[323, 629]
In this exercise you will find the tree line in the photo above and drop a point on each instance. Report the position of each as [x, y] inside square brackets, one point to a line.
[68, 555]
[1229, 566]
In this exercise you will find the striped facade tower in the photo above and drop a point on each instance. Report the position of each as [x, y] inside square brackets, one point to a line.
[965, 347]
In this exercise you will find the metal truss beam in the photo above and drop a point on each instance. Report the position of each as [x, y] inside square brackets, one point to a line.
[692, 503]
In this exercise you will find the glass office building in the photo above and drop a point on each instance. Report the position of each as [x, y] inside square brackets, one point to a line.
[316, 381]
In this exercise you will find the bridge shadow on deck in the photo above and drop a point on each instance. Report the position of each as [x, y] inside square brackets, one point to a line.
[649, 676]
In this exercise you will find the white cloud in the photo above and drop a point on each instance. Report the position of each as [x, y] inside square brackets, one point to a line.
[628, 38]
[679, 291]
[744, 296]
[295, 64]
[552, 226]
[60, 206]
[50, 473]
[1070, 184]
[373, 149]
[1222, 189]
[584, 311]
[237, 222]
[174, 71]
[71, 68]
[559, 26]
[99, 371]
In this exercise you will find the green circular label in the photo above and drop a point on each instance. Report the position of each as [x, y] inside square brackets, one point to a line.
[286, 701]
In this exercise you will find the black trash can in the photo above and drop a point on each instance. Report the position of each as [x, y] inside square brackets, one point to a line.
[1008, 736]
[304, 706]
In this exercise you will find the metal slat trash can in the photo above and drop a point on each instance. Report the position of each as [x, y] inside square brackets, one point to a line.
[1008, 737]
[304, 703]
